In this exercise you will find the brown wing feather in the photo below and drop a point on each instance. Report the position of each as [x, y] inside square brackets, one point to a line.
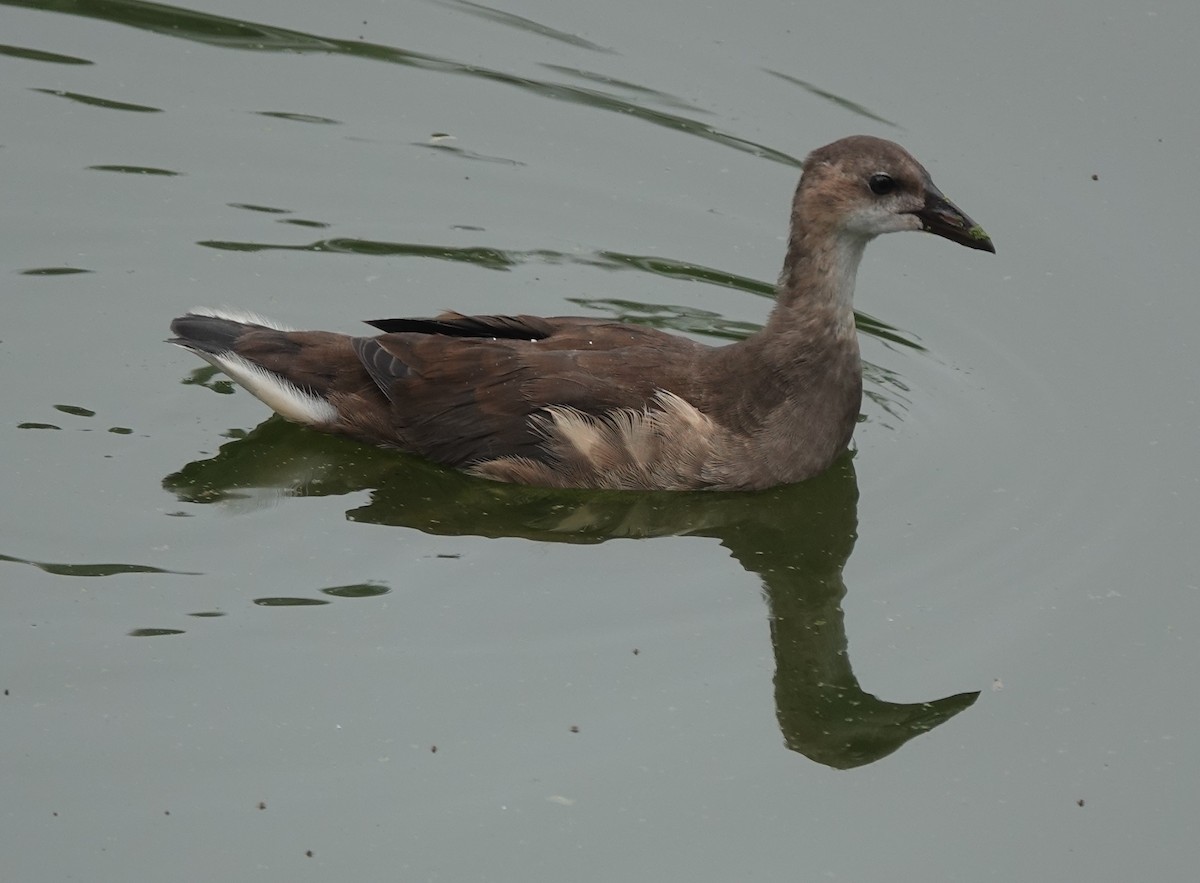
[465, 389]
[461, 399]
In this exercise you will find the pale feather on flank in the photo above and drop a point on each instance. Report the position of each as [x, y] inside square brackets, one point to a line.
[664, 447]
[574, 429]
[248, 317]
[284, 398]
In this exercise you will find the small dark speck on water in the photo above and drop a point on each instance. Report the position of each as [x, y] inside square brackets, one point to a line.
[262, 804]
[574, 728]
[1079, 802]
[308, 853]
[636, 651]
[1095, 177]
[166, 812]
[433, 749]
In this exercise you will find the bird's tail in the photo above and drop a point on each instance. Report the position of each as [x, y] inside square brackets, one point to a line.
[230, 340]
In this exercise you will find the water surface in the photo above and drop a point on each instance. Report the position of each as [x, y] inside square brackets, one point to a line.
[232, 649]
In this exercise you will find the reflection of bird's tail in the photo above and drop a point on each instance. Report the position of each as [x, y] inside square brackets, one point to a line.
[254, 351]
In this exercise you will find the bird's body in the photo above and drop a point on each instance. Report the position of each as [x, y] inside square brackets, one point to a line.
[580, 402]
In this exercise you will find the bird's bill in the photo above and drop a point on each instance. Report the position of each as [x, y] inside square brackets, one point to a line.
[943, 218]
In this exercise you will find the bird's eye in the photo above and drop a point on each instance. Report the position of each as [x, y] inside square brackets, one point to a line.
[882, 184]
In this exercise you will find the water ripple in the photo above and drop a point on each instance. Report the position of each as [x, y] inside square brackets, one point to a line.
[93, 569]
[136, 170]
[39, 55]
[299, 117]
[231, 33]
[95, 101]
[852, 106]
[522, 24]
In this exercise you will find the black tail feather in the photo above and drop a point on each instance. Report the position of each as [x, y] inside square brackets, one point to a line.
[207, 333]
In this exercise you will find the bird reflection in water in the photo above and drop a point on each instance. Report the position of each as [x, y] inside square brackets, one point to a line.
[797, 539]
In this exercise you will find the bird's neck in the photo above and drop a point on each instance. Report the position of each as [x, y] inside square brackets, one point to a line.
[806, 357]
[815, 292]
[793, 389]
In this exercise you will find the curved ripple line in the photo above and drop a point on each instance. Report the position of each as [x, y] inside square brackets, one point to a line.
[54, 271]
[852, 106]
[299, 117]
[39, 55]
[93, 569]
[95, 101]
[521, 23]
[136, 170]
[605, 79]
[231, 33]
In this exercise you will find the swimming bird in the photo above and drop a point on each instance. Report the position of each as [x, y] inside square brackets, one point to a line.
[594, 403]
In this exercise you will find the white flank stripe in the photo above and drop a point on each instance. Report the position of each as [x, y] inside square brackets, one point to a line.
[286, 399]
